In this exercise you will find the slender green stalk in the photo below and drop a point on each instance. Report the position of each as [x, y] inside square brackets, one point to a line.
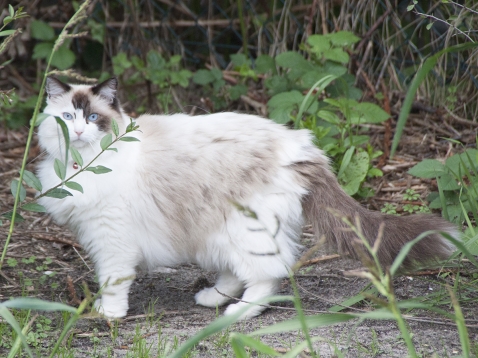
[64, 34]
[240, 11]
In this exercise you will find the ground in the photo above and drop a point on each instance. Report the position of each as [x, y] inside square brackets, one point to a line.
[162, 309]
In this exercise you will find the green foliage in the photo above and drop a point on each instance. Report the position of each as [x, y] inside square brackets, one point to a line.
[63, 59]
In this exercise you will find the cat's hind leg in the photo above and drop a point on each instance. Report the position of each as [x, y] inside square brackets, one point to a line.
[253, 293]
[227, 284]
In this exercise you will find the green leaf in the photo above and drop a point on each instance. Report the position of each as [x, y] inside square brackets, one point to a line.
[447, 182]
[113, 149]
[60, 169]
[237, 91]
[265, 64]
[34, 207]
[319, 43]
[428, 168]
[329, 116]
[106, 141]
[367, 112]
[63, 58]
[40, 118]
[75, 154]
[239, 59]
[129, 139]
[355, 173]
[18, 217]
[203, 77]
[99, 169]
[337, 55]
[342, 38]
[14, 185]
[293, 59]
[66, 136]
[114, 127]
[41, 30]
[58, 193]
[6, 33]
[31, 180]
[42, 50]
[74, 186]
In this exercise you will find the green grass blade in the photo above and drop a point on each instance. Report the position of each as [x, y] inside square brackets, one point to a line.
[255, 344]
[218, 325]
[8, 317]
[27, 303]
[460, 323]
[417, 80]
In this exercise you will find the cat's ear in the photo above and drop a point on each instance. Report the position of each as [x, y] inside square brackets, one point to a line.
[106, 89]
[54, 87]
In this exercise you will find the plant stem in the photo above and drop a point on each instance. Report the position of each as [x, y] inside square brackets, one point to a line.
[32, 128]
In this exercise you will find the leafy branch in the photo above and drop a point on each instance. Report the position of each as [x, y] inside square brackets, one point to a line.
[63, 35]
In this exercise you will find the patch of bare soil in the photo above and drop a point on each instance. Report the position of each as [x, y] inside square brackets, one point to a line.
[39, 247]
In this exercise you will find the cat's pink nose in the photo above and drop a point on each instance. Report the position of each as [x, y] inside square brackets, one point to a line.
[79, 132]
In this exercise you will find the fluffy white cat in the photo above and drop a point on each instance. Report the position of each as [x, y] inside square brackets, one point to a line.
[227, 191]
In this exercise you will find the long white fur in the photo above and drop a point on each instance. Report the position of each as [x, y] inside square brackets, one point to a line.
[149, 211]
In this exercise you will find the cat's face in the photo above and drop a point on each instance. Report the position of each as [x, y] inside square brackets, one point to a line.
[86, 110]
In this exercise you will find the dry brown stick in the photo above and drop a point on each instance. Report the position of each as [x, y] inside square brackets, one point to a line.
[54, 239]
[320, 259]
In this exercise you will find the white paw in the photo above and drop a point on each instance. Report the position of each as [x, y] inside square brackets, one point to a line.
[109, 310]
[209, 297]
[252, 311]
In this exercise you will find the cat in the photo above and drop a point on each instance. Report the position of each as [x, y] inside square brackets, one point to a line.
[227, 191]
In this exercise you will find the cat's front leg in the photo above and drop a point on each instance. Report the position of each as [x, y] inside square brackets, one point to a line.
[116, 274]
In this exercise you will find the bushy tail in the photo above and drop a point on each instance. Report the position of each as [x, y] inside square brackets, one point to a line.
[327, 203]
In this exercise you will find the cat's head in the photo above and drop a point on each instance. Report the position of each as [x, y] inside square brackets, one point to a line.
[87, 111]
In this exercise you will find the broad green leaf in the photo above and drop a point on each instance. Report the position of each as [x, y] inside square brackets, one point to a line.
[367, 112]
[428, 168]
[106, 141]
[447, 182]
[113, 149]
[337, 55]
[63, 58]
[265, 63]
[41, 30]
[129, 139]
[293, 60]
[74, 186]
[14, 185]
[99, 169]
[18, 217]
[58, 193]
[203, 77]
[319, 43]
[42, 50]
[76, 156]
[346, 161]
[355, 173]
[114, 127]
[60, 169]
[342, 38]
[31, 180]
[34, 207]
[239, 59]
[286, 99]
[237, 91]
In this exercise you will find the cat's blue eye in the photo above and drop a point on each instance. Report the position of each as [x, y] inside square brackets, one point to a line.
[67, 116]
[93, 117]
